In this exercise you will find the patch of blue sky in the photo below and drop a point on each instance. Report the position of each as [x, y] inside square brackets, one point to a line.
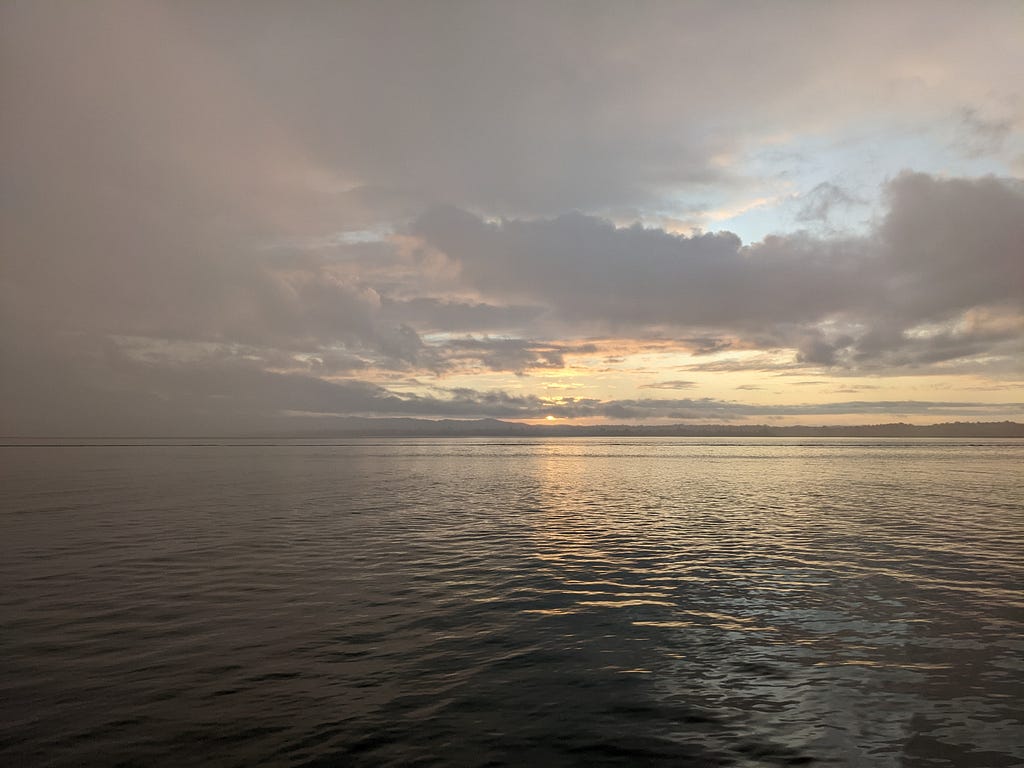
[332, 240]
[356, 236]
[857, 166]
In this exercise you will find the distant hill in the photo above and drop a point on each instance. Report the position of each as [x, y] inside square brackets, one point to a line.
[386, 427]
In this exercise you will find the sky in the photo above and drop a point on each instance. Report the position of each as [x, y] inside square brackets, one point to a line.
[240, 217]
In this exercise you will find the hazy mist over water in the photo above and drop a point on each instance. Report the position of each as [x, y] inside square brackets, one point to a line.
[704, 602]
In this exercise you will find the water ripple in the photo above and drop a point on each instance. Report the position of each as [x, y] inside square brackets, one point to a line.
[717, 603]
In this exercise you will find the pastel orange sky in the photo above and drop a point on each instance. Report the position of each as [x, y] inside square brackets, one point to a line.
[231, 217]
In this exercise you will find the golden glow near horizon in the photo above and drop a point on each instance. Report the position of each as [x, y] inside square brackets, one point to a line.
[645, 370]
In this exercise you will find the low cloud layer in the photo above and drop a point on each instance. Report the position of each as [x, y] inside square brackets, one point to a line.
[113, 394]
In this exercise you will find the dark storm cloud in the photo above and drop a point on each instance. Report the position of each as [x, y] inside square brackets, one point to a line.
[586, 269]
[946, 246]
[950, 244]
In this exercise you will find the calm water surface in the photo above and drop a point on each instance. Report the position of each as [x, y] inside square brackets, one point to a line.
[505, 602]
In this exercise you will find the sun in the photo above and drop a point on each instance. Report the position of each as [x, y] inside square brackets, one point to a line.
[549, 418]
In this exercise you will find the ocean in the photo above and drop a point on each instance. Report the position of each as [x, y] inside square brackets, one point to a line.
[464, 602]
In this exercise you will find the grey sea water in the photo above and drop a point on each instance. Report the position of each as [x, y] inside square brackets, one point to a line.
[507, 602]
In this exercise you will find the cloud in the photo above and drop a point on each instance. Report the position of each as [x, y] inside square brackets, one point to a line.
[822, 200]
[945, 249]
[587, 270]
[452, 315]
[708, 345]
[979, 135]
[502, 354]
[951, 244]
[527, 108]
[676, 384]
[145, 182]
[710, 409]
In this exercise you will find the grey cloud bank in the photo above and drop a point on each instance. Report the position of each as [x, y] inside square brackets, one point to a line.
[945, 247]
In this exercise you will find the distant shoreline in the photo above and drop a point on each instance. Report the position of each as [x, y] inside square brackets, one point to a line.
[410, 428]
